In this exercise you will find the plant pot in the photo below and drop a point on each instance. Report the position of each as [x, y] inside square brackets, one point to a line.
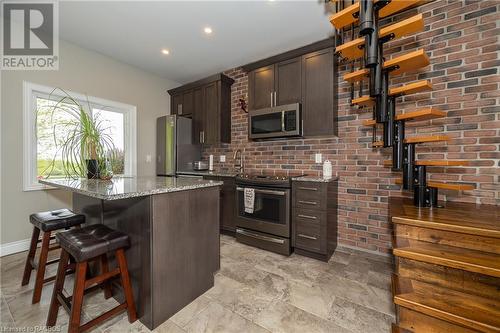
[92, 169]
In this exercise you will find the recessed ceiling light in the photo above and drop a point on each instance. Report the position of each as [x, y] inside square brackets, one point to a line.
[165, 51]
[207, 30]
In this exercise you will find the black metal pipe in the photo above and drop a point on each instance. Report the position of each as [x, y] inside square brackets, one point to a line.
[420, 196]
[366, 17]
[398, 146]
[389, 124]
[382, 102]
[408, 165]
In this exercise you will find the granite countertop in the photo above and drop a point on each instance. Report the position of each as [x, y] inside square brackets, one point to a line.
[208, 173]
[128, 187]
[315, 179]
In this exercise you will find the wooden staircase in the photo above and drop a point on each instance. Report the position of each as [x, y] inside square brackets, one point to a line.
[383, 99]
[447, 276]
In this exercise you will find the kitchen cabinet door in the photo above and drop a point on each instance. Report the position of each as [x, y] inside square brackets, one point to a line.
[288, 76]
[227, 202]
[211, 125]
[261, 88]
[317, 93]
[176, 104]
[198, 114]
[187, 104]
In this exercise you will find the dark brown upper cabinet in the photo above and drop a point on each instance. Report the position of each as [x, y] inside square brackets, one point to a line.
[208, 103]
[318, 110]
[274, 85]
[307, 78]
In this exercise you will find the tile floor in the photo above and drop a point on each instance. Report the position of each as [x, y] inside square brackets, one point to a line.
[255, 291]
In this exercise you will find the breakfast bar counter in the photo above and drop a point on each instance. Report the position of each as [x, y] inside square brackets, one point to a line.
[173, 225]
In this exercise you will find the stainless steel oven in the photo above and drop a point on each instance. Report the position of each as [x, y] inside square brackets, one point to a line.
[268, 227]
[276, 122]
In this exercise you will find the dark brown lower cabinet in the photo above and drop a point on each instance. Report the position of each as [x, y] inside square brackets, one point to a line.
[227, 203]
[314, 218]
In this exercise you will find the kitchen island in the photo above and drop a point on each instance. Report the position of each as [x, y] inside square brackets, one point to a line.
[173, 224]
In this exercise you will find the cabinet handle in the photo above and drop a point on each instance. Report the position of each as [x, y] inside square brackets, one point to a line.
[201, 139]
[203, 136]
[271, 99]
[179, 109]
[314, 203]
[308, 188]
[307, 237]
[275, 98]
[307, 217]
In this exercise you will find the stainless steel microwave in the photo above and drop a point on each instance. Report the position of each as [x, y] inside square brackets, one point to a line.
[276, 122]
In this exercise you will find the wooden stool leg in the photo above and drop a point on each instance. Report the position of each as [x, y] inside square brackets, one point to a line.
[40, 273]
[77, 298]
[105, 269]
[127, 288]
[58, 287]
[31, 254]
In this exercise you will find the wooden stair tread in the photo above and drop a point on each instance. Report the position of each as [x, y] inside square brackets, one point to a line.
[357, 75]
[427, 138]
[377, 144]
[434, 162]
[406, 62]
[444, 186]
[355, 49]
[438, 254]
[424, 114]
[481, 220]
[398, 329]
[363, 101]
[474, 312]
[418, 115]
[411, 88]
[349, 15]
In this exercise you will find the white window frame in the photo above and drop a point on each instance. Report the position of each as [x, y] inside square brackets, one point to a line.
[31, 91]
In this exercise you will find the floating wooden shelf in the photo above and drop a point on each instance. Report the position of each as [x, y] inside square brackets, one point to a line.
[355, 49]
[369, 122]
[406, 62]
[444, 186]
[363, 101]
[424, 114]
[476, 313]
[412, 88]
[434, 163]
[428, 138]
[350, 14]
[357, 76]
[378, 144]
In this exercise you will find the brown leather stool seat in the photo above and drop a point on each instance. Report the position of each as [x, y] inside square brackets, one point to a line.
[56, 219]
[92, 241]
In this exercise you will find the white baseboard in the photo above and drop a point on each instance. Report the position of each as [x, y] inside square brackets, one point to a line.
[14, 247]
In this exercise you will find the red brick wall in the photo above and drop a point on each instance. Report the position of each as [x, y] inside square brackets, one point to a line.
[461, 39]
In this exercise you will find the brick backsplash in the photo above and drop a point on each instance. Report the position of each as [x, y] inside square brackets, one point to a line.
[461, 39]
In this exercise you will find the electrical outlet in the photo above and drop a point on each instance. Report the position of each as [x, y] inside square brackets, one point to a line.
[148, 158]
[318, 158]
[222, 158]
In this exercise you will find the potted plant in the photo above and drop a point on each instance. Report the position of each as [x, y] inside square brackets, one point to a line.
[85, 147]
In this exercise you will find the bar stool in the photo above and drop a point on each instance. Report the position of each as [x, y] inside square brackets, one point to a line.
[84, 245]
[47, 222]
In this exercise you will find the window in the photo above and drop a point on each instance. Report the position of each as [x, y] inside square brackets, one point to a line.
[44, 132]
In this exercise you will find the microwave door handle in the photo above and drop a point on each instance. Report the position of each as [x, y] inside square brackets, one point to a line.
[283, 121]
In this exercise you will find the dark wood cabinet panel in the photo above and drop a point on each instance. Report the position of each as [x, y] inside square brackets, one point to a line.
[227, 203]
[287, 87]
[187, 104]
[261, 88]
[211, 126]
[208, 103]
[176, 104]
[198, 114]
[318, 93]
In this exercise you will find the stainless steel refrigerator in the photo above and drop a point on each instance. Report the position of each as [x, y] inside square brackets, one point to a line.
[175, 151]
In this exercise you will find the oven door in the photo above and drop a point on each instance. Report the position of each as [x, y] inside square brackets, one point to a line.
[271, 211]
[276, 122]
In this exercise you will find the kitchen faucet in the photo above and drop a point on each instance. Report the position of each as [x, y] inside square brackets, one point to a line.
[238, 166]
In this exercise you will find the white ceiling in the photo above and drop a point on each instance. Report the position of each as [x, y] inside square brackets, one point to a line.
[243, 31]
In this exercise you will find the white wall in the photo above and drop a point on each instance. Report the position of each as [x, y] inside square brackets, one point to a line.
[81, 71]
